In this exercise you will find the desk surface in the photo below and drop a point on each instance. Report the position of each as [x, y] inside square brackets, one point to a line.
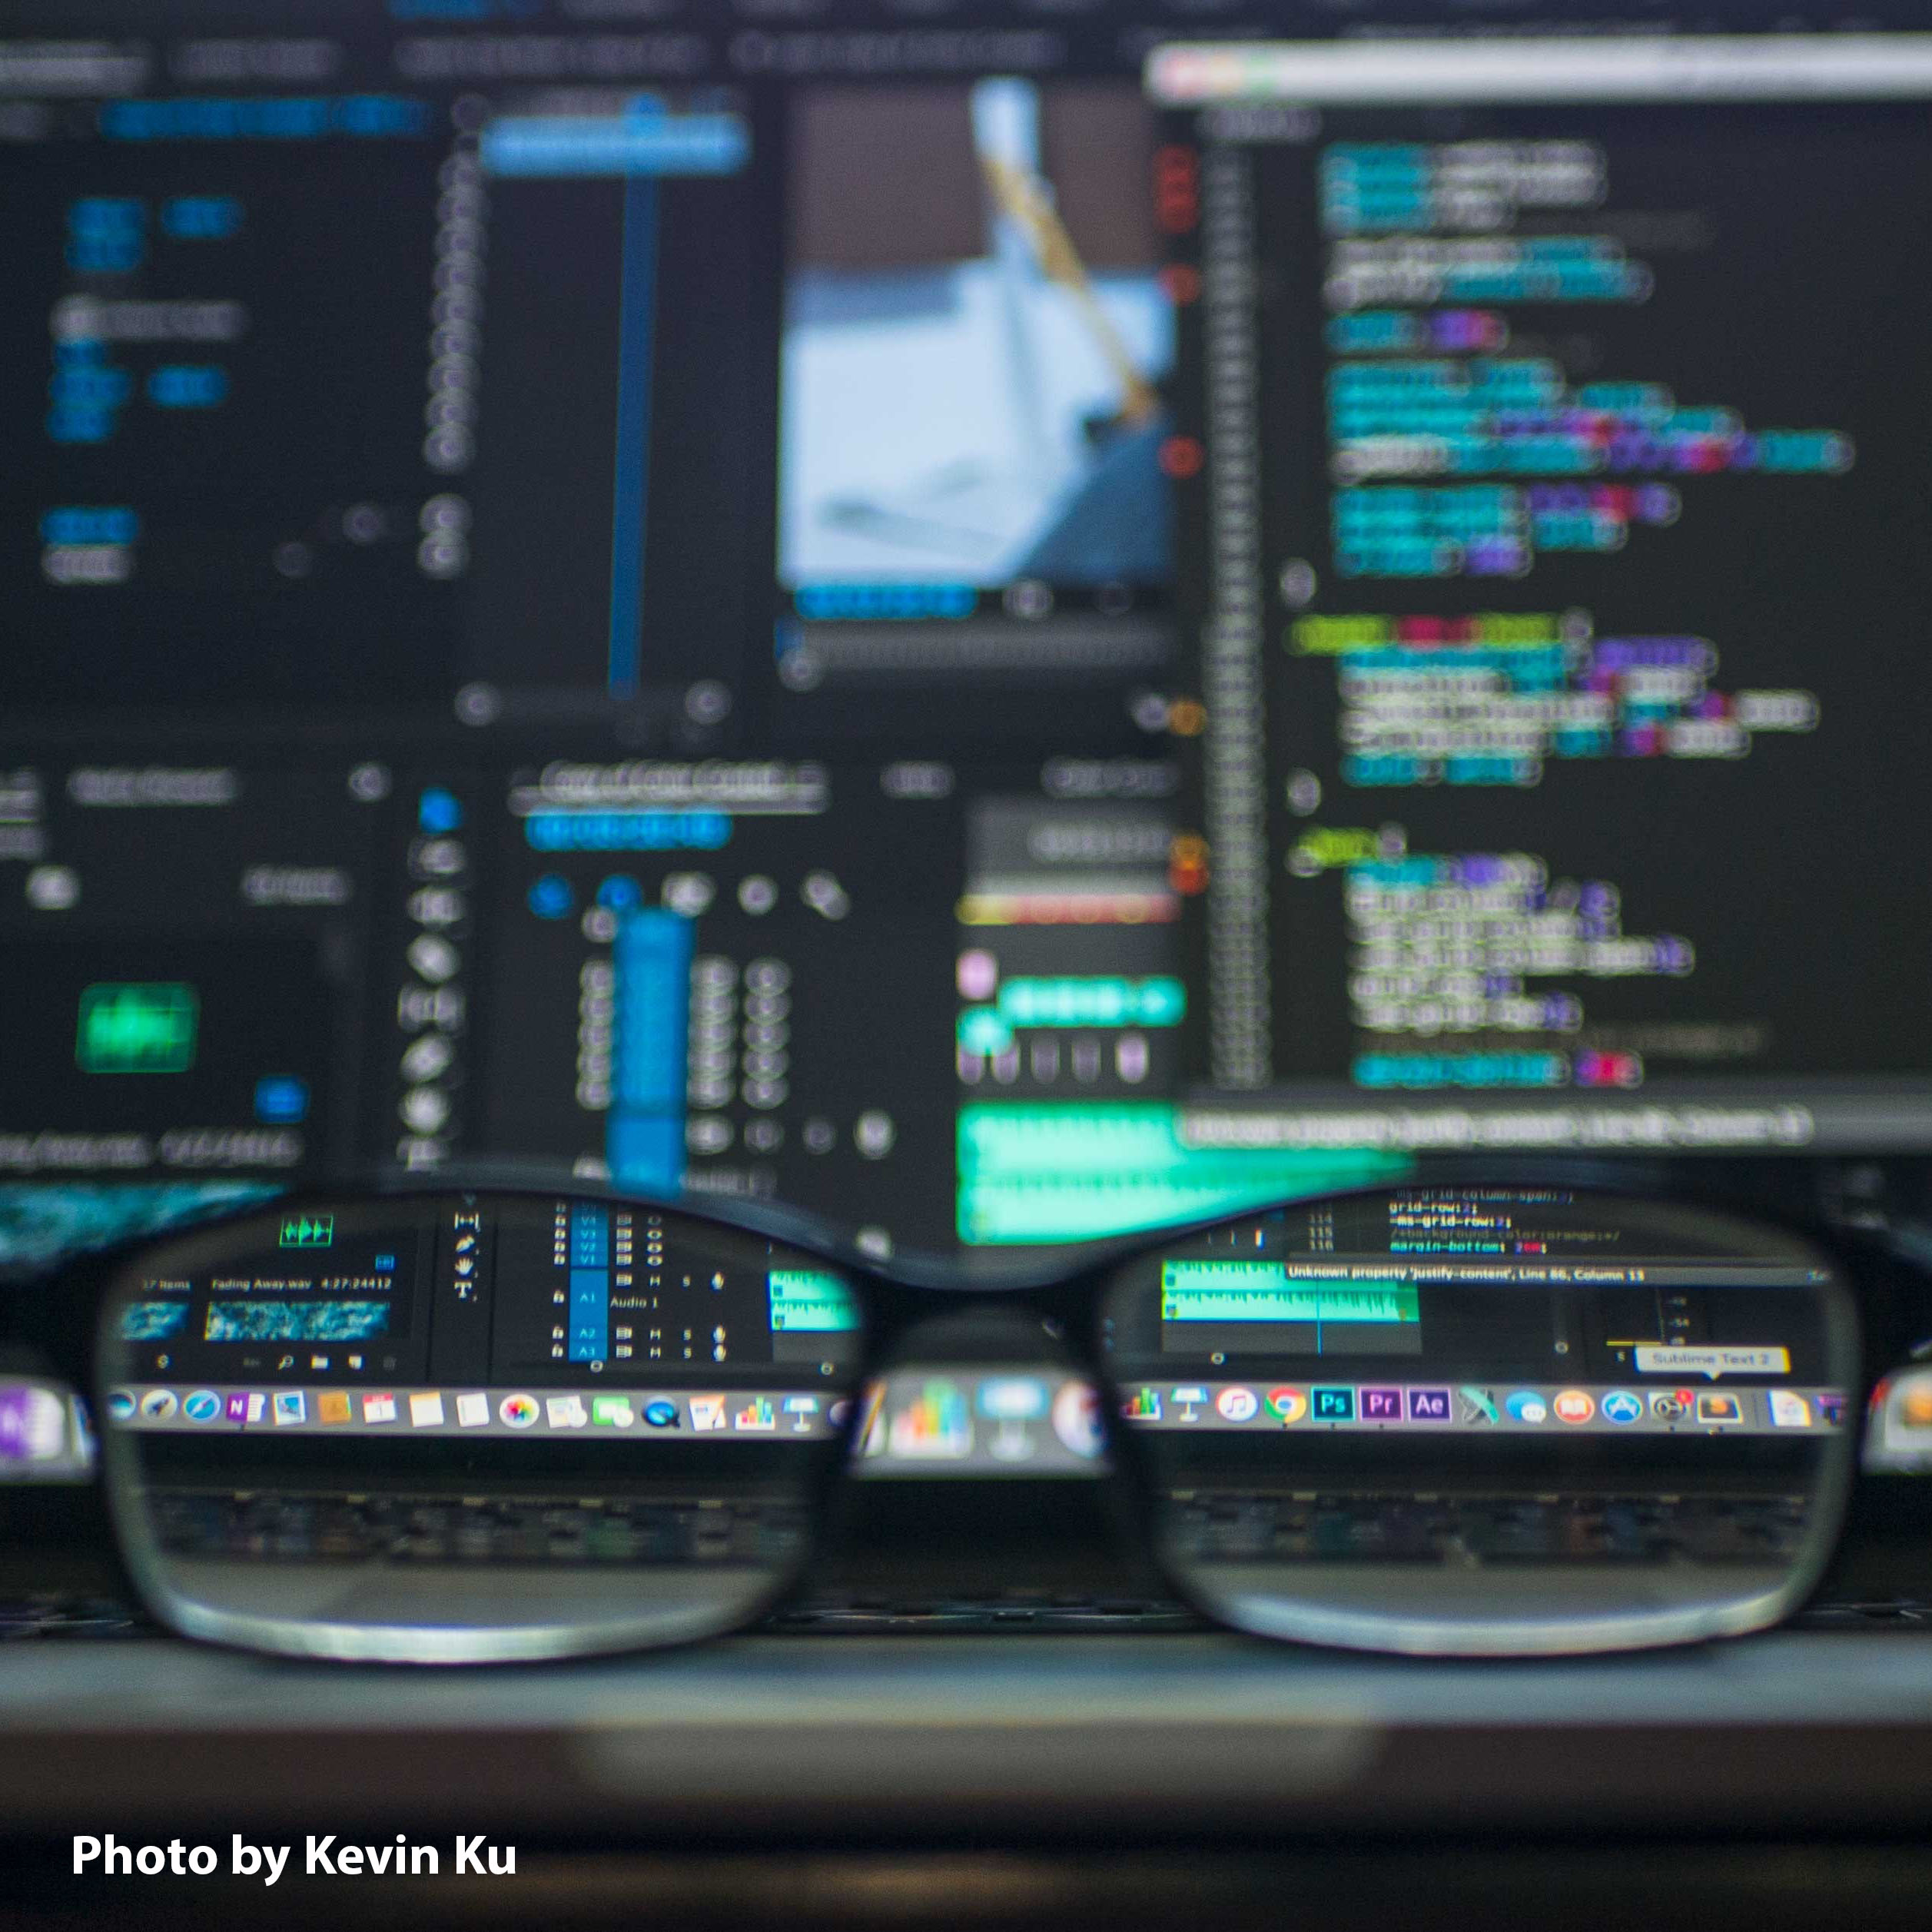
[769, 1737]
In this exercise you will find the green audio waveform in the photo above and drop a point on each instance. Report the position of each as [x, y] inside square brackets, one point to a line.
[1041, 1172]
[307, 1231]
[809, 1301]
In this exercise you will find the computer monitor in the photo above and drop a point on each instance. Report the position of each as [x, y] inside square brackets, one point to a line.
[1550, 437]
[1001, 622]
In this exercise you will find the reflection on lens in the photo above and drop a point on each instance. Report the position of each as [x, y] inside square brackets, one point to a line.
[1898, 1440]
[977, 1422]
[1490, 1419]
[472, 1427]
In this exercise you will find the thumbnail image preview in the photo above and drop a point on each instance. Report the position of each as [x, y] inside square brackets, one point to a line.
[296, 1321]
[975, 338]
[152, 1321]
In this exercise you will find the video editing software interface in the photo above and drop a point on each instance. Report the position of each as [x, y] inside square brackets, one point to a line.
[498, 1317]
[1486, 1313]
[492, 1317]
[1501, 1311]
[1003, 626]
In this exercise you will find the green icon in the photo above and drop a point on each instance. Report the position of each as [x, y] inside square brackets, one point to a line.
[1480, 1401]
[308, 1231]
[135, 1029]
[611, 1412]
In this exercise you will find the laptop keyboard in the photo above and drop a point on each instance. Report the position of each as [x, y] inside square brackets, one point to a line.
[1232, 1527]
[1224, 1527]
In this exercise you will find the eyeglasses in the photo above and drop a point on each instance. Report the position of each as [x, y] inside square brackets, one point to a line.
[467, 1426]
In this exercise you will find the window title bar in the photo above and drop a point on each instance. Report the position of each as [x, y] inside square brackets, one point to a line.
[1779, 67]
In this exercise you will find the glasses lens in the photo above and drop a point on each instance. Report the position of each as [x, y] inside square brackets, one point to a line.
[1498, 1420]
[489, 1426]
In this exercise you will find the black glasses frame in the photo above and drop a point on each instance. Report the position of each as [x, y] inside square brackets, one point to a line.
[899, 1298]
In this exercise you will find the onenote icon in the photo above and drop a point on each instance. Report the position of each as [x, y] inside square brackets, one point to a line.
[1287, 1405]
[1526, 1405]
[1237, 1404]
[1621, 1407]
[202, 1406]
[33, 1424]
[1574, 1405]
[518, 1411]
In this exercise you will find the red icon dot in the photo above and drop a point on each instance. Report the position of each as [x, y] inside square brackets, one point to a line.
[1182, 457]
[1181, 284]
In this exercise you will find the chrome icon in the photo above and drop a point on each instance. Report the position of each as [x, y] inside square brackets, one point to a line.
[1287, 1405]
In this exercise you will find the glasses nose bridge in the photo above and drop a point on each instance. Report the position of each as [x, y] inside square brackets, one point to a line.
[970, 1325]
